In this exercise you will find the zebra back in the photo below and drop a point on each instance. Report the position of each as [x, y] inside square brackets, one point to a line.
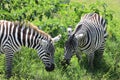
[96, 19]
[35, 28]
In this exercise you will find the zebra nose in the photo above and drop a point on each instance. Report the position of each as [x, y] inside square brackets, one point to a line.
[65, 61]
[51, 68]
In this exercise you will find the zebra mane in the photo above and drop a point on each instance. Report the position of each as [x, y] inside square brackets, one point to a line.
[40, 31]
[29, 25]
[32, 26]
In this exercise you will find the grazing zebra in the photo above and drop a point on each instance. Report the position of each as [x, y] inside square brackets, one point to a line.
[89, 37]
[13, 35]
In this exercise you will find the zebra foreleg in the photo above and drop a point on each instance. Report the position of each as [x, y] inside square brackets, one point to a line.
[78, 54]
[90, 60]
[9, 59]
[99, 52]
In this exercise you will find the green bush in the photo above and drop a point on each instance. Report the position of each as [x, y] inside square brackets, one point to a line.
[54, 17]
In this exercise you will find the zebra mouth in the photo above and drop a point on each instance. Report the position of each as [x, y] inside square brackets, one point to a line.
[65, 61]
[51, 68]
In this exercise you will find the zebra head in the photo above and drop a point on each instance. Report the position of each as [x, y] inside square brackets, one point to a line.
[70, 47]
[47, 55]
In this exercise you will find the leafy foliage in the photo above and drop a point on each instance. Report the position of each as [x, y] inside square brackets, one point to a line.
[53, 17]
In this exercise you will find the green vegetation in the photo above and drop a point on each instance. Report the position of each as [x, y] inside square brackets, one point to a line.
[53, 17]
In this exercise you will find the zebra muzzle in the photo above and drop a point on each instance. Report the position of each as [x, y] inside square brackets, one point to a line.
[65, 61]
[51, 68]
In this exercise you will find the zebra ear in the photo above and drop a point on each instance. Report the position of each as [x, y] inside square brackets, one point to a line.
[69, 30]
[43, 43]
[57, 38]
[79, 36]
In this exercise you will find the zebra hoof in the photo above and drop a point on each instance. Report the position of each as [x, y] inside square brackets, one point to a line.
[8, 76]
[51, 68]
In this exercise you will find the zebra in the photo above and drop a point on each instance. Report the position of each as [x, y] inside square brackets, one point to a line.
[88, 37]
[15, 34]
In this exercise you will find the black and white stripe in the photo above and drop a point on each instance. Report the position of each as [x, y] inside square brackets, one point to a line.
[89, 37]
[13, 35]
